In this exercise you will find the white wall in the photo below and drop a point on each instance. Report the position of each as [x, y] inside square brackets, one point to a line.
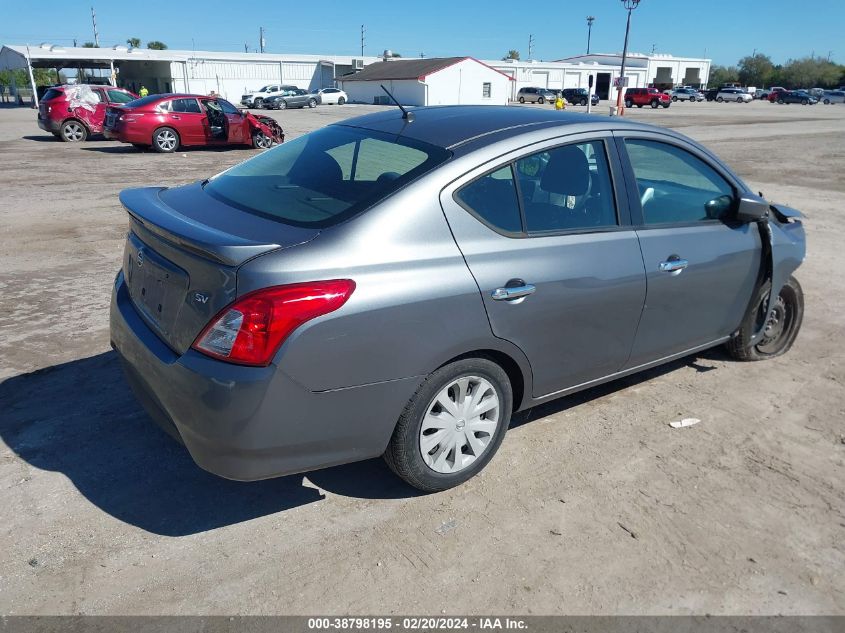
[407, 92]
[462, 84]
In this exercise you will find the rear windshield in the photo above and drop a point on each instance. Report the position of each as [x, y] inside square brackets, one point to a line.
[322, 178]
[140, 103]
[52, 93]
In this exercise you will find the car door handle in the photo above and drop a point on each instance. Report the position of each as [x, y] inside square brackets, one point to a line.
[673, 265]
[515, 292]
[175, 116]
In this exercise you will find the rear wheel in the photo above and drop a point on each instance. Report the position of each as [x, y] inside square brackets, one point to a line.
[341, 101]
[312, 103]
[827, 101]
[583, 102]
[655, 104]
[541, 100]
[261, 141]
[452, 426]
[522, 99]
[666, 105]
[629, 103]
[780, 326]
[165, 140]
[719, 99]
[780, 101]
[674, 98]
[73, 132]
[739, 99]
[282, 104]
[258, 103]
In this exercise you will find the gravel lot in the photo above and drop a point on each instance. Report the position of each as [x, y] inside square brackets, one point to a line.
[592, 506]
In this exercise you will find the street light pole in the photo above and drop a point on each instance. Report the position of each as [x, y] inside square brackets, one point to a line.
[630, 5]
[590, 20]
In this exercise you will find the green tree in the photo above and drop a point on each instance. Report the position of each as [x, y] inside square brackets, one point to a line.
[156, 45]
[134, 42]
[756, 70]
[512, 54]
[810, 72]
[89, 45]
[723, 74]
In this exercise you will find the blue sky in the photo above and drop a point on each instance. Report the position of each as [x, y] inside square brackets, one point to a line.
[723, 29]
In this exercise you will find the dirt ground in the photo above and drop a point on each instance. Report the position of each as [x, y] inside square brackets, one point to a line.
[593, 506]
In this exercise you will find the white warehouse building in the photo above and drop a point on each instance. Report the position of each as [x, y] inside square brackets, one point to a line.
[431, 81]
[228, 74]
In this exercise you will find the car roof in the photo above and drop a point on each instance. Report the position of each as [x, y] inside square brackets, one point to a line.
[454, 126]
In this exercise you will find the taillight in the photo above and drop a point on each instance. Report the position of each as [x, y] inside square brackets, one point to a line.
[251, 330]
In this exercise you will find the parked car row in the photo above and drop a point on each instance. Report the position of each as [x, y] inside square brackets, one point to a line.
[573, 96]
[280, 97]
[164, 122]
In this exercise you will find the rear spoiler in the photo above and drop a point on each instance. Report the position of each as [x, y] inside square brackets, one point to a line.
[147, 209]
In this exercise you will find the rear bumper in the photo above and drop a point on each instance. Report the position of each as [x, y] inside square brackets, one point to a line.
[249, 423]
[49, 125]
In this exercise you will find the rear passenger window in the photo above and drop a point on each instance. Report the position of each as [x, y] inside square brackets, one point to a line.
[493, 199]
[185, 105]
[675, 186]
[567, 188]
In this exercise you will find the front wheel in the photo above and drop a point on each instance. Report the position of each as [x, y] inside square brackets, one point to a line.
[541, 101]
[258, 103]
[522, 99]
[281, 104]
[780, 102]
[583, 102]
[452, 426]
[341, 101]
[739, 99]
[629, 103]
[655, 104]
[827, 101]
[674, 98]
[261, 141]
[780, 326]
[73, 132]
[165, 140]
[719, 99]
[312, 103]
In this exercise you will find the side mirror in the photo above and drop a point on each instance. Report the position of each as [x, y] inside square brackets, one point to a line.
[751, 208]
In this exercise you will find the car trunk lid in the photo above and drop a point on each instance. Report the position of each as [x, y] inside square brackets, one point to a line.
[182, 254]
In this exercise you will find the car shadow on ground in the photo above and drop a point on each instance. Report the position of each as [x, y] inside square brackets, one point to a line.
[129, 149]
[46, 138]
[81, 419]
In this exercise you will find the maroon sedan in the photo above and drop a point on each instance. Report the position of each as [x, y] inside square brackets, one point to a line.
[74, 112]
[167, 122]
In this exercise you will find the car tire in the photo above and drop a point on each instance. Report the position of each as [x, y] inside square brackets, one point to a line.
[541, 101]
[639, 105]
[788, 314]
[165, 140]
[674, 98]
[629, 104]
[261, 141]
[258, 103]
[666, 105]
[73, 131]
[739, 99]
[827, 101]
[522, 99]
[312, 103]
[805, 102]
[341, 101]
[583, 102]
[780, 101]
[655, 104]
[434, 471]
[282, 104]
[719, 99]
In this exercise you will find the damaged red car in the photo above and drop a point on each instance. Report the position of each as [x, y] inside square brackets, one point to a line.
[72, 113]
[167, 122]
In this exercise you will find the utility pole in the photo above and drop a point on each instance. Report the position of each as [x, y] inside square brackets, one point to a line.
[246, 47]
[590, 20]
[261, 38]
[94, 22]
[653, 48]
[363, 30]
[530, 47]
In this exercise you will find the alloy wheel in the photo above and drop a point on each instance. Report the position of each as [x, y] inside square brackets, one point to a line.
[73, 131]
[459, 425]
[262, 141]
[166, 140]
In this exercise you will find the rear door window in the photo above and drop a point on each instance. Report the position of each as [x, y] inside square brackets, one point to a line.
[185, 105]
[492, 198]
[118, 96]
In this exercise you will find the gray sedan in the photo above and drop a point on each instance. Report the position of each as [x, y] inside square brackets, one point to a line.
[296, 98]
[399, 286]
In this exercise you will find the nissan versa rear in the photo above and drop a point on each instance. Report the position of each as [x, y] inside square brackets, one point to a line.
[399, 285]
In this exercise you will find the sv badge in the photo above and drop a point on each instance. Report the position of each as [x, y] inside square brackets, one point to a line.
[201, 297]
